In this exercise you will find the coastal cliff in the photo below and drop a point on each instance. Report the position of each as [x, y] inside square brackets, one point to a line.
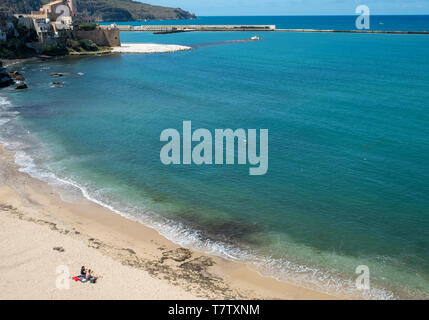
[105, 10]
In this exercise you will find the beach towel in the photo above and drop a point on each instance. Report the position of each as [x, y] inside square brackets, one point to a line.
[80, 278]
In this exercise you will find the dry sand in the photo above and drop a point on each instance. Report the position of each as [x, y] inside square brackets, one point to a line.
[135, 262]
[29, 262]
[149, 48]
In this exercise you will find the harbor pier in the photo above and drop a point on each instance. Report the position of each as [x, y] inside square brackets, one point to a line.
[185, 28]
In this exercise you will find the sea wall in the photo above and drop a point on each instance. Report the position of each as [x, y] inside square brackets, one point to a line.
[166, 28]
[101, 37]
[188, 28]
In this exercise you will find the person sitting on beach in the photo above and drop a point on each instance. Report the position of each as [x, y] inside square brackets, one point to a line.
[83, 271]
[90, 276]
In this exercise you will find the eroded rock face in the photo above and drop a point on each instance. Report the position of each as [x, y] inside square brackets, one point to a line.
[5, 79]
[17, 78]
[15, 75]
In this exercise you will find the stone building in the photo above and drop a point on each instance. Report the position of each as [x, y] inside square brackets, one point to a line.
[58, 21]
[62, 9]
[53, 21]
[107, 36]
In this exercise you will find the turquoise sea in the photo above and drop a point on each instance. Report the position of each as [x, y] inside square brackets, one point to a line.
[348, 177]
[377, 22]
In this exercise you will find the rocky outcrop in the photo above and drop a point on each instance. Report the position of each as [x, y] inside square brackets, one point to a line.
[56, 74]
[21, 85]
[15, 38]
[5, 79]
[58, 84]
[19, 79]
[16, 76]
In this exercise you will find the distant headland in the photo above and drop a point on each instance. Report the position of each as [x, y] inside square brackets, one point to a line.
[105, 10]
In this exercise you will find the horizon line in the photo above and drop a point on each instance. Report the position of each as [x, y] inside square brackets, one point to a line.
[312, 15]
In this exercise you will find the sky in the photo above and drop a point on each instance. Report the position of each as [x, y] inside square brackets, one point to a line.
[293, 7]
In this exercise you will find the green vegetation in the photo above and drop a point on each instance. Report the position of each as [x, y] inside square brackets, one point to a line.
[125, 10]
[82, 45]
[17, 37]
[24, 33]
[5, 51]
[105, 10]
[88, 45]
[87, 26]
[14, 48]
[20, 6]
[55, 50]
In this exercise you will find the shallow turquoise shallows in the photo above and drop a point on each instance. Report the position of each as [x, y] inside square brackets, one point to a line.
[348, 178]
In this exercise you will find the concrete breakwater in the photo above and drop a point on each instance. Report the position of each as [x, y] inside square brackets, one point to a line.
[354, 31]
[189, 28]
[170, 28]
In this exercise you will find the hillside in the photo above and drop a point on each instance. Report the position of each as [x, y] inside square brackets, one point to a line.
[21, 6]
[106, 10]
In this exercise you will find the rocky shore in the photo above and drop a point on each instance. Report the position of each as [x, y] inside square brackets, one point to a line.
[5, 78]
[9, 78]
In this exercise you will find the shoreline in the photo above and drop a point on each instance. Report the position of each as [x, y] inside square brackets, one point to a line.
[42, 58]
[144, 48]
[105, 238]
[11, 62]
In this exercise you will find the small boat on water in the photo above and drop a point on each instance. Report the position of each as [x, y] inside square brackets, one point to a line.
[255, 38]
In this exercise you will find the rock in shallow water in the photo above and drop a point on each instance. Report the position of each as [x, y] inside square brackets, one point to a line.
[16, 76]
[56, 74]
[5, 79]
[21, 86]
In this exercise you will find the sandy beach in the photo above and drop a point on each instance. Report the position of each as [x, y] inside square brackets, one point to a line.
[39, 232]
[149, 48]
